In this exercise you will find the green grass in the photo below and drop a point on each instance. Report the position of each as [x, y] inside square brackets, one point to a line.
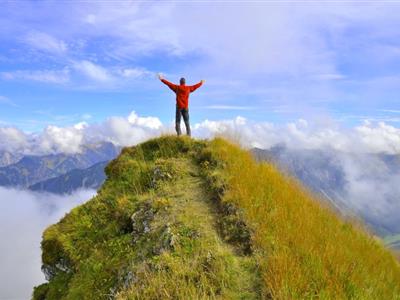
[180, 218]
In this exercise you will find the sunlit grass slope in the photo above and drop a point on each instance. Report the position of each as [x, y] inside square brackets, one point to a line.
[179, 218]
[305, 251]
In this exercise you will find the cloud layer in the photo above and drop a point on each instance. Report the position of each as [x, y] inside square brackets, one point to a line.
[367, 137]
[372, 189]
[23, 217]
[122, 131]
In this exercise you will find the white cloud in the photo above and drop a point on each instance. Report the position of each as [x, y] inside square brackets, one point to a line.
[80, 74]
[369, 137]
[150, 122]
[268, 39]
[45, 42]
[380, 138]
[47, 76]
[366, 138]
[93, 71]
[136, 29]
[242, 40]
[237, 129]
[122, 131]
[372, 189]
[13, 139]
[61, 139]
[81, 125]
[220, 127]
[23, 217]
[99, 76]
[135, 73]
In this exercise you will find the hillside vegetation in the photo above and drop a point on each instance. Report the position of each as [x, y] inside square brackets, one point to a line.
[179, 218]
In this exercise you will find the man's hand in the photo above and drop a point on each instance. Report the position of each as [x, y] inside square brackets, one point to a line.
[202, 81]
[160, 76]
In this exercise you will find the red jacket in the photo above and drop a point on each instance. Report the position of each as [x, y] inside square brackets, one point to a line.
[182, 92]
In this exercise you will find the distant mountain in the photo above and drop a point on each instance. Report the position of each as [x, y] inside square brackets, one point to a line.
[90, 178]
[30, 170]
[8, 158]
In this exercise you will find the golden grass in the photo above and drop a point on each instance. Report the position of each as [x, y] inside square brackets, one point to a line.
[305, 250]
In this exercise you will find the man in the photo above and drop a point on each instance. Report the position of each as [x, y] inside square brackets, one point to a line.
[182, 92]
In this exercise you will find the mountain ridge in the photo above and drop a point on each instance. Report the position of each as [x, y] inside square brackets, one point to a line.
[185, 219]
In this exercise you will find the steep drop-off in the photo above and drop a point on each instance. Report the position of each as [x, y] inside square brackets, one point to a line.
[179, 218]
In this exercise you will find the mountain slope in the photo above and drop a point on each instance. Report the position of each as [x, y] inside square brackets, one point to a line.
[90, 178]
[363, 184]
[316, 169]
[185, 219]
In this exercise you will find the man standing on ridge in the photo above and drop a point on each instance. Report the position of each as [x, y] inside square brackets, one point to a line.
[182, 92]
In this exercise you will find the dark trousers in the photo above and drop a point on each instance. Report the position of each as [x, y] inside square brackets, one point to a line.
[185, 114]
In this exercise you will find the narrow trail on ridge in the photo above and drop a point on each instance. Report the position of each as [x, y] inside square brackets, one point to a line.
[192, 206]
[195, 206]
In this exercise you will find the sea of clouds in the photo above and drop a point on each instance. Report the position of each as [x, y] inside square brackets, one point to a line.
[23, 217]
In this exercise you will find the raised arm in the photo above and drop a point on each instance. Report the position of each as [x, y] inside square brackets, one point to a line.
[196, 86]
[166, 82]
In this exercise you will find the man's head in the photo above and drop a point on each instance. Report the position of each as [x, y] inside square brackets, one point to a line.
[182, 81]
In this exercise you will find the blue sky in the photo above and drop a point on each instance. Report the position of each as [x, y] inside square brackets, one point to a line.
[63, 62]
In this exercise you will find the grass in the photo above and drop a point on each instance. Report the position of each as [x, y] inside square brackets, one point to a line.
[200, 265]
[179, 218]
[306, 250]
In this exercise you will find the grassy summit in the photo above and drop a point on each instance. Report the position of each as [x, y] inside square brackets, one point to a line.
[184, 219]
